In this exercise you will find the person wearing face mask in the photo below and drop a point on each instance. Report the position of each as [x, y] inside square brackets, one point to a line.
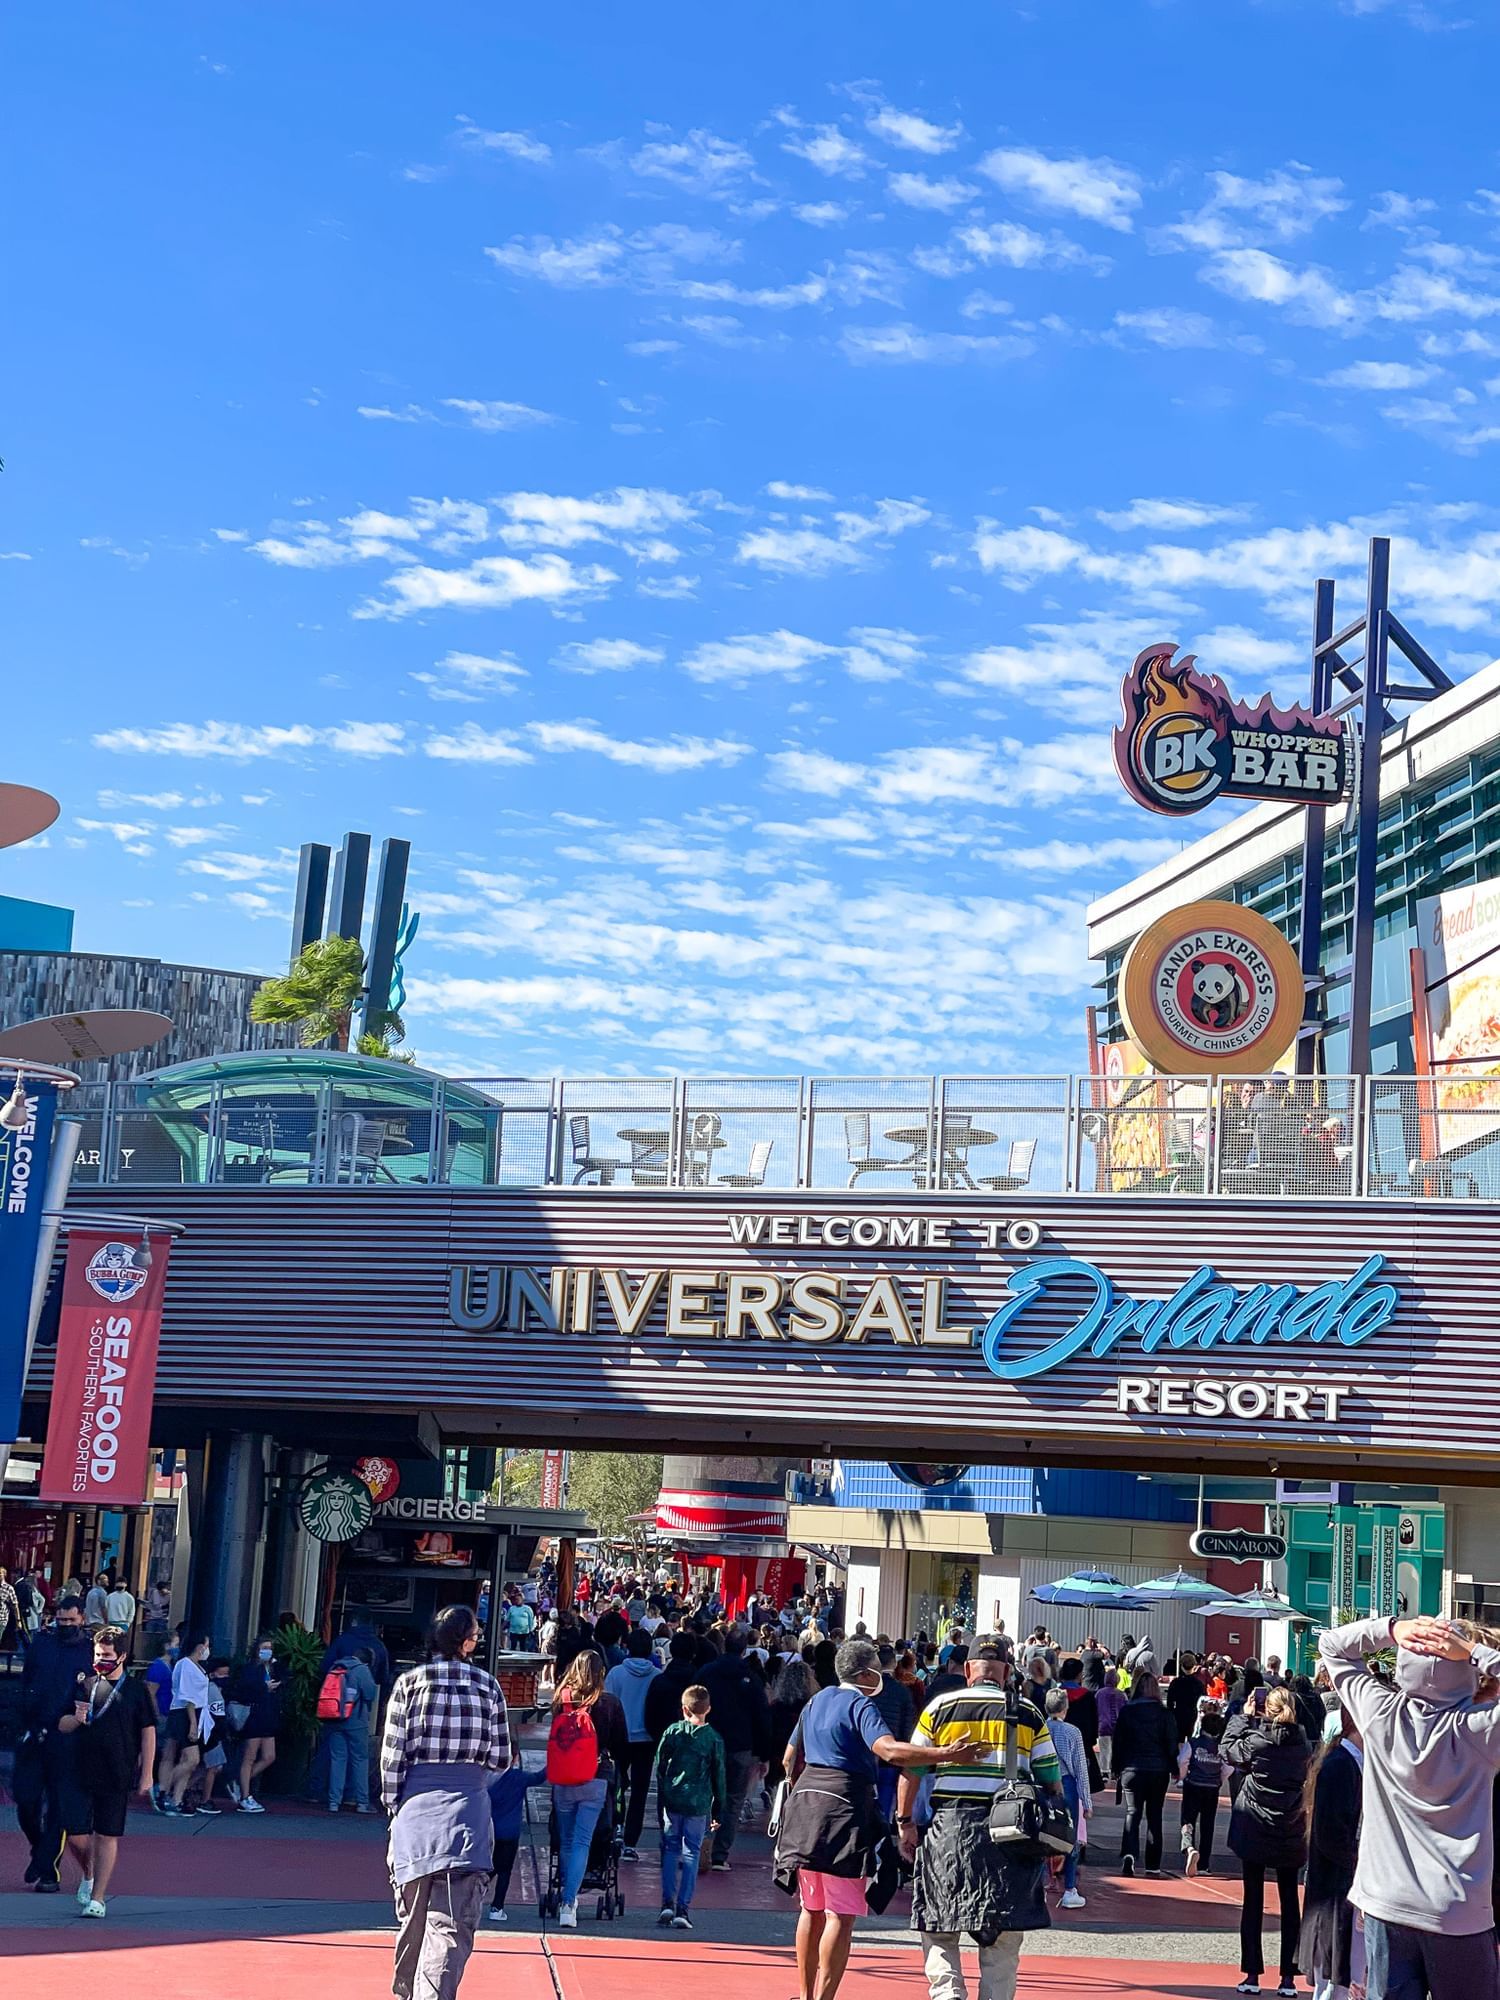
[830, 1826]
[113, 1727]
[187, 1723]
[255, 1708]
[56, 1667]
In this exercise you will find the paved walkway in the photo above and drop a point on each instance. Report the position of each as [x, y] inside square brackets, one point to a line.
[303, 1899]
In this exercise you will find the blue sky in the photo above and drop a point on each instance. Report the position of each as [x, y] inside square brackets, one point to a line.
[700, 476]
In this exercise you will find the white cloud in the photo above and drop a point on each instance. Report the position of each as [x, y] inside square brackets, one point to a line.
[409, 413]
[633, 517]
[1168, 514]
[1306, 294]
[471, 676]
[984, 305]
[882, 653]
[814, 551]
[497, 416]
[1021, 555]
[752, 655]
[1098, 190]
[1010, 243]
[473, 745]
[491, 583]
[976, 772]
[231, 534]
[821, 214]
[1165, 326]
[1075, 857]
[588, 260]
[904, 342]
[1240, 212]
[1383, 375]
[514, 145]
[1397, 211]
[679, 753]
[1236, 649]
[781, 489]
[921, 191]
[915, 133]
[648, 347]
[700, 163]
[829, 150]
[598, 656]
[242, 740]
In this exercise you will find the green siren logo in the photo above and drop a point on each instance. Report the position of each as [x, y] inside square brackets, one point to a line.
[1184, 742]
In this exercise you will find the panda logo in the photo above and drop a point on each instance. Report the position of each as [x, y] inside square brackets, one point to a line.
[1220, 994]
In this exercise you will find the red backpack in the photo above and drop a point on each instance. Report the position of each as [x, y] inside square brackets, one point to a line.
[337, 1701]
[572, 1747]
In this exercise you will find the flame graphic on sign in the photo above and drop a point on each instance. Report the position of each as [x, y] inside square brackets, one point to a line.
[1159, 687]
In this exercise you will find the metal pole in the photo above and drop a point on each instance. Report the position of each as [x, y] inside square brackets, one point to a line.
[1367, 830]
[1314, 837]
[66, 1133]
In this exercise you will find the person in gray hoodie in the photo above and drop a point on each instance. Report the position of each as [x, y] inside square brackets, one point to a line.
[1426, 1849]
[629, 1683]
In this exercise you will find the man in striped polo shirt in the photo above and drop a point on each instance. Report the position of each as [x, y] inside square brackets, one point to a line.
[966, 1884]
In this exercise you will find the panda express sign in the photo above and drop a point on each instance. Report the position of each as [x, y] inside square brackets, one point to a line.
[1184, 742]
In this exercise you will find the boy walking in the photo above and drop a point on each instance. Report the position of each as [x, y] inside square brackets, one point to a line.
[693, 1794]
[507, 1805]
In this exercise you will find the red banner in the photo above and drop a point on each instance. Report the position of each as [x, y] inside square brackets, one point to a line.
[552, 1478]
[99, 1428]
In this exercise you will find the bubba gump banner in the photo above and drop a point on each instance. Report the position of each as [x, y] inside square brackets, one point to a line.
[99, 1426]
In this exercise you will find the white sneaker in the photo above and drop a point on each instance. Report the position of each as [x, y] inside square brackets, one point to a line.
[86, 1891]
[498, 1917]
[1071, 1900]
[567, 1917]
[248, 1804]
[92, 1908]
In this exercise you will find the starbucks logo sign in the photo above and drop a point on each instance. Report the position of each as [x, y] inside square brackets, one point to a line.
[335, 1507]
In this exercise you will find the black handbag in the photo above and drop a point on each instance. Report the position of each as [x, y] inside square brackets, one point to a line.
[1029, 1822]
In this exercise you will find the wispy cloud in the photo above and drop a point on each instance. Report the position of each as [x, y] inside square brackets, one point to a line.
[1099, 191]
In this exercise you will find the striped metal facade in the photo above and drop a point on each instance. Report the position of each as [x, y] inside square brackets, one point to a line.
[315, 1298]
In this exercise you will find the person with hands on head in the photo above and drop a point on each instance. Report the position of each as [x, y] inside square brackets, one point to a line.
[1431, 1743]
[830, 1826]
[113, 1723]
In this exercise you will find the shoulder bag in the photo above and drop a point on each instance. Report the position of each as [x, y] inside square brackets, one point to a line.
[1029, 1822]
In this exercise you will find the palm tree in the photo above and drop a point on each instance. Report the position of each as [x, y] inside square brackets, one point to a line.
[320, 994]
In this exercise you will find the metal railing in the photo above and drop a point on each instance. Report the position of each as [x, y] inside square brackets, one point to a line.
[1422, 1138]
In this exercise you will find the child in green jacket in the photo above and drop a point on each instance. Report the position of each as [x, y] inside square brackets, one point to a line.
[691, 1788]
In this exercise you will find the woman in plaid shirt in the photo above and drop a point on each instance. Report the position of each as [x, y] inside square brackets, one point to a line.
[445, 1738]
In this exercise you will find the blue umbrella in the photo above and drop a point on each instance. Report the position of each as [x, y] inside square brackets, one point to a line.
[1178, 1588]
[1089, 1587]
[1255, 1604]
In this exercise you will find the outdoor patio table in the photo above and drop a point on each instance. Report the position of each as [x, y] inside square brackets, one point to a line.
[957, 1140]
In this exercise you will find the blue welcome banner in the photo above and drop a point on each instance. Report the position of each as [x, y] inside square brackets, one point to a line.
[1203, 1312]
[23, 1195]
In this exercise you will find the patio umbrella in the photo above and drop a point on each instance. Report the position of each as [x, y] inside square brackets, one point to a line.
[1178, 1588]
[1088, 1587]
[1255, 1605]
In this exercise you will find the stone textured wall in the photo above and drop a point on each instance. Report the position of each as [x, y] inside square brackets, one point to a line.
[211, 1008]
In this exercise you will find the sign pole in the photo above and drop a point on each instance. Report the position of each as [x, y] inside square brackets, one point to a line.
[1314, 836]
[1367, 782]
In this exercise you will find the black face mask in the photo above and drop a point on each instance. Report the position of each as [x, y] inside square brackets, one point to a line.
[73, 1635]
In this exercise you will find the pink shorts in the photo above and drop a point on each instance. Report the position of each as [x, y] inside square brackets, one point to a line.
[839, 1895]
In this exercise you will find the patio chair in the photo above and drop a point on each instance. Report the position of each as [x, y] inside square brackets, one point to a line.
[863, 1161]
[1017, 1167]
[586, 1161]
[357, 1144]
[648, 1163]
[755, 1174]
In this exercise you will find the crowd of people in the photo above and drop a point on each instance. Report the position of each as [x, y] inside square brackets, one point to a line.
[970, 1765]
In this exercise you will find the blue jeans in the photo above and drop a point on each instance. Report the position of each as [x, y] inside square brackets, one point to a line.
[681, 1837]
[348, 1761]
[578, 1808]
[1406, 1964]
[1070, 1865]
